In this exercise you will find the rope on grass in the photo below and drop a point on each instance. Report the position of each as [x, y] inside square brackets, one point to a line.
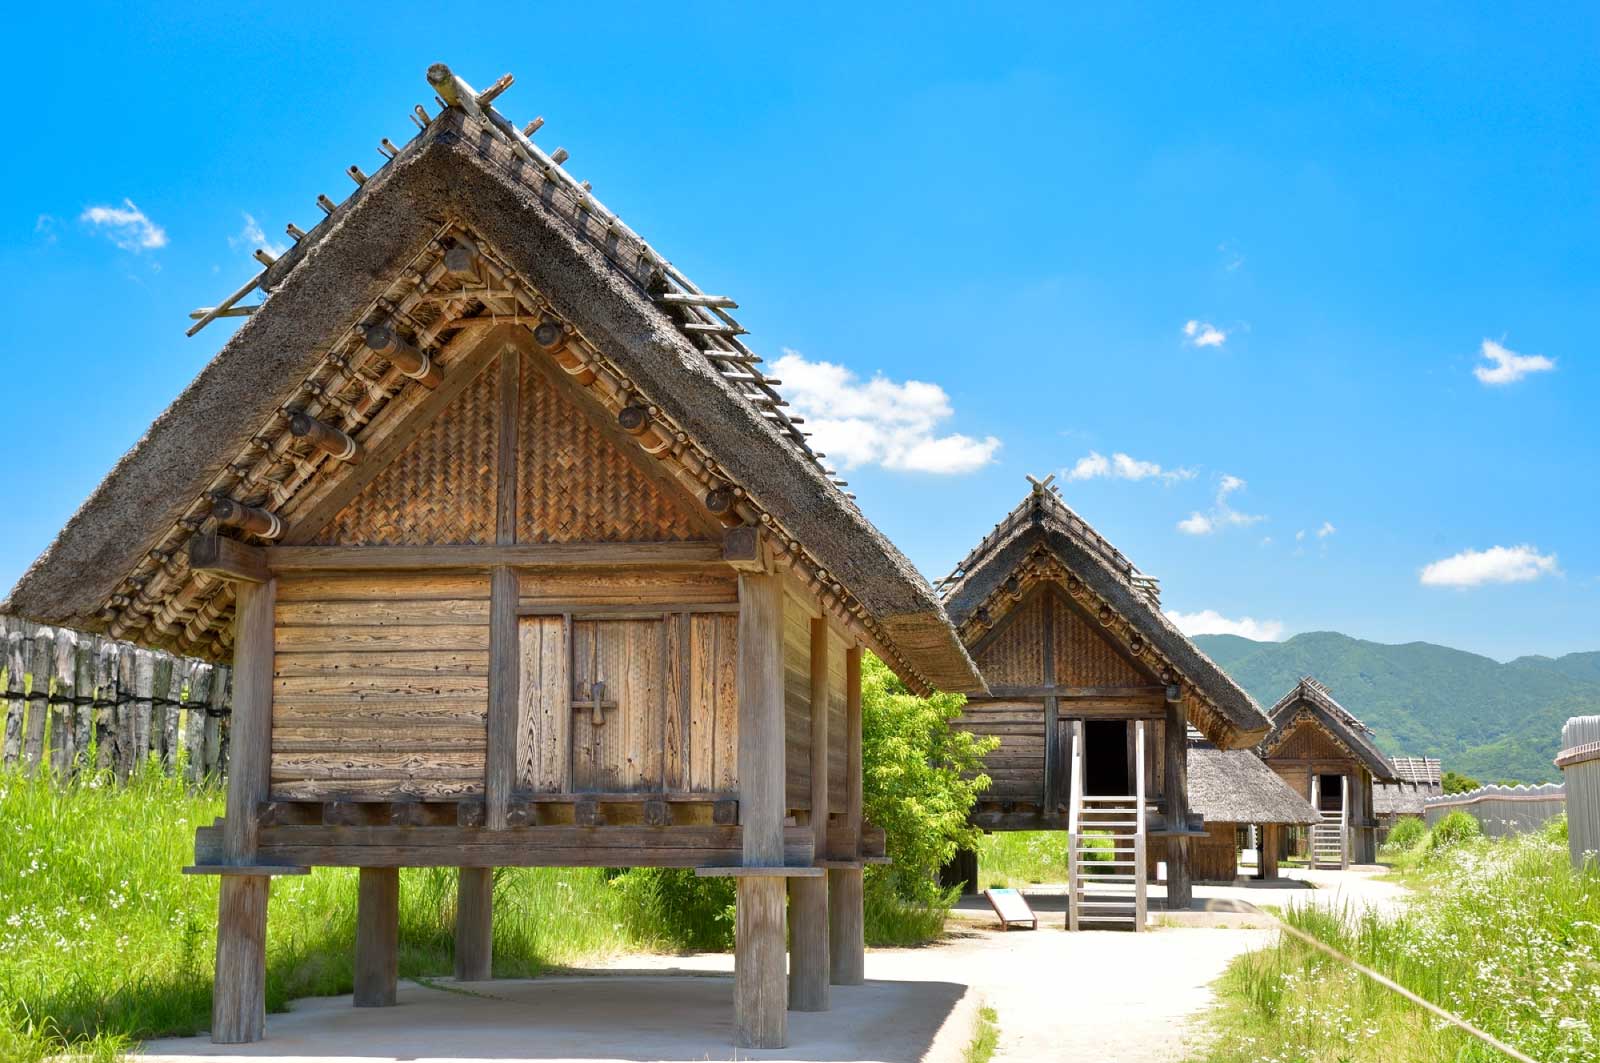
[1389, 983]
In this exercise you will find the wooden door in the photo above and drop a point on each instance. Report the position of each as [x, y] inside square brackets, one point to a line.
[618, 705]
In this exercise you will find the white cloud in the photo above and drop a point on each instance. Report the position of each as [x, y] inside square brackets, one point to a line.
[1211, 622]
[127, 226]
[1096, 465]
[1222, 514]
[1498, 564]
[1204, 333]
[1326, 530]
[1508, 366]
[1300, 536]
[252, 236]
[878, 421]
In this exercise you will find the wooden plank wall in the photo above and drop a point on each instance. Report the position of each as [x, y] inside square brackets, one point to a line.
[380, 688]
[81, 702]
[1017, 766]
[797, 703]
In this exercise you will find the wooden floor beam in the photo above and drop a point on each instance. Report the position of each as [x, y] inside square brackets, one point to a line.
[377, 937]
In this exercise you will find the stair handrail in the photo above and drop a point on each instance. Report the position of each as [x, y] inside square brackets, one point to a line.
[1139, 884]
[1074, 828]
[1344, 823]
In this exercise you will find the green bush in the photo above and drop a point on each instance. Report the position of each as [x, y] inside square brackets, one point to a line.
[1454, 829]
[1555, 829]
[919, 780]
[1407, 834]
[674, 907]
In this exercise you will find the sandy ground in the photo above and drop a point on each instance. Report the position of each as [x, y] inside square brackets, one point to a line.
[1099, 995]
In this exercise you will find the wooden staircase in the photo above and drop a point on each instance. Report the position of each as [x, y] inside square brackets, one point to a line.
[1106, 849]
[1330, 836]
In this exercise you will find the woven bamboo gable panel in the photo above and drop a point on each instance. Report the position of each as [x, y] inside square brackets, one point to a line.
[1083, 656]
[441, 489]
[1307, 741]
[575, 485]
[1015, 657]
[380, 687]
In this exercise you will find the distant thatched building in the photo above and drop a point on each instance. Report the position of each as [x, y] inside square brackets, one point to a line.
[1322, 751]
[1418, 779]
[1234, 790]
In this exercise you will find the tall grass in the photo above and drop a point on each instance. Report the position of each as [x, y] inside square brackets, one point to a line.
[1503, 934]
[103, 942]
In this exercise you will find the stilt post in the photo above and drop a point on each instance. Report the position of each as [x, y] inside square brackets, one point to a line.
[809, 969]
[1176, 785]
[377, 937]
[760, 991]
[475, 925]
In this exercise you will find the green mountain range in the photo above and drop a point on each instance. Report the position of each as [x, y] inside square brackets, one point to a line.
[1485, 719]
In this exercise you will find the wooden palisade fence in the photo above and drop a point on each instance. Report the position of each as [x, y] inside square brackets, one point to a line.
[1579, 761]
[1502, 810]
[81, 702]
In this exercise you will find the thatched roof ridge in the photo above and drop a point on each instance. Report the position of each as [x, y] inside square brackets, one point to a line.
[1309, 698]
[1236, 786]
[1044, 521]
[453, 173]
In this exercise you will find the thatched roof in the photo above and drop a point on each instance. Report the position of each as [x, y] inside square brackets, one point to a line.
[1236, 786]
[120, 563]
[1043, 535]
[1309, 699]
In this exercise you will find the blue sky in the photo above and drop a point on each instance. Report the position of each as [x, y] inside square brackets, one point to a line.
[1024, 209]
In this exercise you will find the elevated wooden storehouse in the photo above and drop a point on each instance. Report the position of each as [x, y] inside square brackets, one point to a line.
[1323, 752]
[1418, 778]
[1241, 801]
[519, 561]
[1091, 692]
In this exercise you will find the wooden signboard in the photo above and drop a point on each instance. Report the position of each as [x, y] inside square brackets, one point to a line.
[1012, 908]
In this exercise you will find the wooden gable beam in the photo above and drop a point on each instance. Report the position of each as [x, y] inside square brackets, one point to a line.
[228, 559]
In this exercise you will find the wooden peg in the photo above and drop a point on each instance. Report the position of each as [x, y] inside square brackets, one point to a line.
[326, 204]
[357, 174]
[533, 127]
[262, 256]
[295, 232]
[560, 155]
[487, 96]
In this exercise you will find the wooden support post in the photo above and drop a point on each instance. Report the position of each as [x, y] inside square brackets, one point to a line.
[239, 994]
[475, 925]
[761, 718]
[1176, 785]
[760, 1014]
[377, 937]
[846, 940]
[760, 996]
[1267, 859]
[809, 967]
[500, 773]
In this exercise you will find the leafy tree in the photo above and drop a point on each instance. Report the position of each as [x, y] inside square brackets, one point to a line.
[919, 778]
[1456, 783]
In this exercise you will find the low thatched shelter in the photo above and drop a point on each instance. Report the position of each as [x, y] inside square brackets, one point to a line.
[1321, 750]
[1418, 778]
[1235, 791]
[520, 561]
[1092, 690]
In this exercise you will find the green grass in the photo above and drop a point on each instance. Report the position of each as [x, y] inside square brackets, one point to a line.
[985, 1038]
[1503, 934]
[104, 943]
[1031, 858]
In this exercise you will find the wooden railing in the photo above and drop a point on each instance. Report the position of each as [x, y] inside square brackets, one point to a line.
[79, 702]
